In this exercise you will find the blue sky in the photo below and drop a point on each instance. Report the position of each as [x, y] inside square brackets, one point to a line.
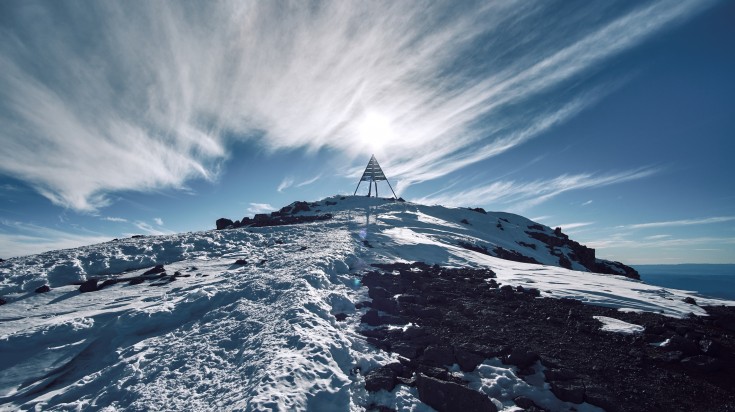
[613, 120]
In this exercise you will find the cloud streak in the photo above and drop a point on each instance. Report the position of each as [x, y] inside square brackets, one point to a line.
[685, 222]
[519, 196]
[149, 95]
[27, 239]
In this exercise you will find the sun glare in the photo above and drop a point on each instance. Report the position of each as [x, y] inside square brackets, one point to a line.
[375, 130]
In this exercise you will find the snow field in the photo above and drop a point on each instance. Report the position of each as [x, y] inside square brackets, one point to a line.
[260, 336]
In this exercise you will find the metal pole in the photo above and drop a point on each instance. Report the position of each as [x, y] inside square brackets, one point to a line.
[391, 189]
[376, 189]
[370, 188]
[358, 186]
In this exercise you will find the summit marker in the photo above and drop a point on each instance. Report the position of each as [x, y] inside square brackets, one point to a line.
[373, 173]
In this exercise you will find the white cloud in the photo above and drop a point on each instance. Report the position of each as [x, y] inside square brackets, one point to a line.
[589, 202]
[520, 196]
[167, 87]
[260, 208]
[290, 182]
[158, 221]
[570, 226]
[27, 239]
[150, 230]
[686, 222]
[114, 219]
[285, 184]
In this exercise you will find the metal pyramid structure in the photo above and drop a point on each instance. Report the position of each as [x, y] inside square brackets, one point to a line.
[373, 173]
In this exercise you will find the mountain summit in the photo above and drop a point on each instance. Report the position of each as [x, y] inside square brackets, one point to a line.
[354, 303]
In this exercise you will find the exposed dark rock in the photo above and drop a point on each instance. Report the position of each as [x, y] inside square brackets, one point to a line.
[89, 286]
[449, 396]
[137, 237]
[682, 344]
[527, 404]
[241, 262]
[522, 357]
[479, 210]
[261, 217]
[528, 245]
[467, 361]
[464, 221]
[457, 310]
[223, 223]
[136, 281]
[438, 355]
[3, 301]
[690, 300]
[568, 391]
[154, 270]
[702, 363]
[106, 283]
[43, 289]
[498, 252]
[3, 260]
[383, 377]
[300, 207]
[340, 316]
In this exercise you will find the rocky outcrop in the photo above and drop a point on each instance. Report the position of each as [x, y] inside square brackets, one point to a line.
[43, 289]
[288, 215]
[224, 223]
[88, 286]
[456, 316]
[585, 256]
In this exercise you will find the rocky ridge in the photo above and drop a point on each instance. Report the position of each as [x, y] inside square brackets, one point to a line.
[463, 316]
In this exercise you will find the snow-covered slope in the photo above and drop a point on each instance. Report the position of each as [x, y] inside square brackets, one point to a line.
[261, 333]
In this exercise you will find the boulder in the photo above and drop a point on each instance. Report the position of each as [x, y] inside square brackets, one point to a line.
[383, 377]
[521, 357]
[42, 289]
[450, 396]
[438, 355]
[241, 262]
[467, 361]
[300, 207]
[223, 223]
[155, 269]
[568, 391]
[88, 286]
[136, 281]
[261, 217]
[3, 301]
[340, 316]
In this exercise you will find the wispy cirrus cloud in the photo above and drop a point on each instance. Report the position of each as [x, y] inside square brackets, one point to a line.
[115, 219]
[288, 182]
[151, 230]
[161, 89]
[684, 222]
[575, 225]
[519, 196]
[25, 238]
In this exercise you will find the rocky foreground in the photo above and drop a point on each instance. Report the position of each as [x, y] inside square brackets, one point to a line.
[463, 316]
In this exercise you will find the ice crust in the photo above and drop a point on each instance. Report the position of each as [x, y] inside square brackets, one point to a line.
[263, 335]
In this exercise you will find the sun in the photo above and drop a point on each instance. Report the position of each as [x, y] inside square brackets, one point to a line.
[375, 130]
